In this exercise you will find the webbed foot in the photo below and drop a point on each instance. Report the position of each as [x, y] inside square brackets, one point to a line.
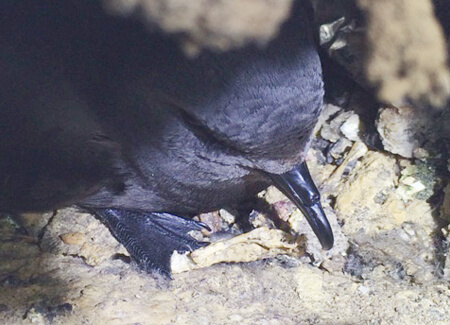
[152, 237]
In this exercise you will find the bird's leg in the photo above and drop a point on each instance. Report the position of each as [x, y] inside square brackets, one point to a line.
[151, 238]
[299, 187]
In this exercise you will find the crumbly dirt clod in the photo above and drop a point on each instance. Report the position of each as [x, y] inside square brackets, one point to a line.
[406, 52]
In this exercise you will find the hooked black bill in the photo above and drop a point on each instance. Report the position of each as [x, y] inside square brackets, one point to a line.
[299, 187]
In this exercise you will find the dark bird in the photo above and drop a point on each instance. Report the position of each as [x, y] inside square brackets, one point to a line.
[95, 111]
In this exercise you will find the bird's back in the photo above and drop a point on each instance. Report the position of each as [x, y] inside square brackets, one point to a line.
[200, 132]
[176, 134]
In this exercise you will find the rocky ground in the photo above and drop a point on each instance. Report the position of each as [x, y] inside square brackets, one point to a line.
[383, 171]
[389, 264]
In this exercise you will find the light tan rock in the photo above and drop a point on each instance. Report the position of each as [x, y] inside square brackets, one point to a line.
[80, 234]
[356, 202]
[257, 244]
[309, 284]
[399, 130]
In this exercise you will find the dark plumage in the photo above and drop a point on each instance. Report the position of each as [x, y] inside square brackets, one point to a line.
[97, 112]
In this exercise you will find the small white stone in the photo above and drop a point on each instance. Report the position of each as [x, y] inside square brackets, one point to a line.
[227, 216]
[350, 128]
[363, 289]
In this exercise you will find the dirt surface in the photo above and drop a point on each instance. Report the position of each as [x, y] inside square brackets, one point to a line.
[388, 265]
